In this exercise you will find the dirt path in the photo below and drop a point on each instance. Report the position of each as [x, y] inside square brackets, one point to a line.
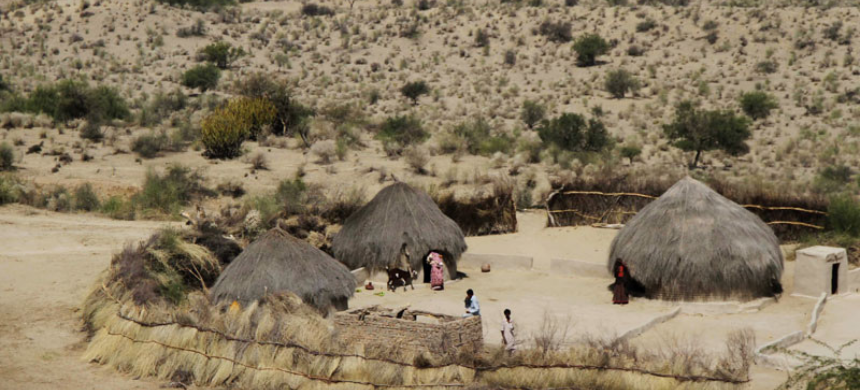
[47, 263]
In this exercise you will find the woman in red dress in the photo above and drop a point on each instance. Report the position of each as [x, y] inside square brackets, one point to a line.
[619, 291]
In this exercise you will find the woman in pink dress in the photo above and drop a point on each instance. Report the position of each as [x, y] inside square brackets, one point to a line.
[437, 278]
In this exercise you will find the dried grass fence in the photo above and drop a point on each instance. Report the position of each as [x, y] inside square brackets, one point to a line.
[280, 343]
[482, 214]
[616, 200]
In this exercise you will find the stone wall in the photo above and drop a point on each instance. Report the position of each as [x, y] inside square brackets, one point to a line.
[416, 331]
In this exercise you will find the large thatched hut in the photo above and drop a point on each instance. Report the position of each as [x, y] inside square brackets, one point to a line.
[399, 219]
[692, 243]
[278, 262]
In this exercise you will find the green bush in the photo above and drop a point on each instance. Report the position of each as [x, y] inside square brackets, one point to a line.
[482, 39]
[832, 179]
[71, 99]
[843, 215]
[4, 86]
[222, 133]
[222, 54]
[532, 113]
[646, 25]
[477, 137]
[168, 193]
[117, 207]
[9, 192]
[414, 90]
[160, 106]
[555, 31]
[7, 157]
[150, 145]
[571, 132]
[203, 77]
[291, 117]
[312, 9]
[619, 82]
[767, 66]
[92, 131]
[199, 4]
[588, 47]
[405, 130]
[85, 198]
[758, 104]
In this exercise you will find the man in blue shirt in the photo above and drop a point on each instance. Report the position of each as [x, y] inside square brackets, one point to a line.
[472, 306]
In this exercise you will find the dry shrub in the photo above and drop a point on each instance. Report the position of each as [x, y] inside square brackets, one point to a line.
[259, 162]
[417, 158]
[324, 150]
[552, 334]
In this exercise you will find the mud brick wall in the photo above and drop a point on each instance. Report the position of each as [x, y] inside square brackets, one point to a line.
[410, 335]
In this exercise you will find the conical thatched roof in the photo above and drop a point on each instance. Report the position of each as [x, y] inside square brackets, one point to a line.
[399, 214]
[693, 243]
[277, 261]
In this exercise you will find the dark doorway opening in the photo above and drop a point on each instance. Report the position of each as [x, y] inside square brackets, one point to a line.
[834, 279]
[426, 270]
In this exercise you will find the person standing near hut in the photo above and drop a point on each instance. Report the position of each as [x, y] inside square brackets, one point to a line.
[508, 338]
[437, 277]
[472, 306]
[619, 290]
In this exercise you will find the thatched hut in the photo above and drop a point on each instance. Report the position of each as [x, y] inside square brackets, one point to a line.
[399, 218]
[693, 243]
[278, 262]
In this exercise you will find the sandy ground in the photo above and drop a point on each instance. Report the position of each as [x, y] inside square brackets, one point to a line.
[48, 261]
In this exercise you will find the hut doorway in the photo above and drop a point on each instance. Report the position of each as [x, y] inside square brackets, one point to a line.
[834, 279]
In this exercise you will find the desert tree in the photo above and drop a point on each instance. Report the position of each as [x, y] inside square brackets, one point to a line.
[588, 47]
[414, 90]
[630, 152]
[222, 54]
[697, 130]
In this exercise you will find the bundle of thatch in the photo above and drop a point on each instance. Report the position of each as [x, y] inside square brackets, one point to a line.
[278, 262]
[398, 217]
[692, 243]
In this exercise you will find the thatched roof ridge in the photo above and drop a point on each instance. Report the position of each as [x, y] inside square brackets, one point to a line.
[399, 214]
[276, 262]
[693, 243]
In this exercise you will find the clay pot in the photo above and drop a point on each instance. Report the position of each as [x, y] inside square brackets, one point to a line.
[485, 267]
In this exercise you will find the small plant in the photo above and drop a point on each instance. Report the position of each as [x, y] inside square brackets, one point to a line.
[767, 66]
[198, 29]
[167, 193]
[403, 130]
[203, 77]
[588, 47]
[532, 113]
[510, 57]
[85, 198]
[555, 31]
[646, 25]
[417, 159]
[414, 90]
[312, 9]
[222, 54]
[259, 162]
[324, 150]
[630, 152]
[199, 4]
[150, 145]
[697, 130]
[832, 179]
[758, 104]
[710, 25]
[619, 82]
[832, 32]
[7, 157]
[482, 39]
[254, 114]
[92, 131]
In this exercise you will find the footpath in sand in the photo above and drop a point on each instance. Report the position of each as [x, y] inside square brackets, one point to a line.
[47, 263]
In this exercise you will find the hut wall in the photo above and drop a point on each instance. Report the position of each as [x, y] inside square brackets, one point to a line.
[416, 336]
